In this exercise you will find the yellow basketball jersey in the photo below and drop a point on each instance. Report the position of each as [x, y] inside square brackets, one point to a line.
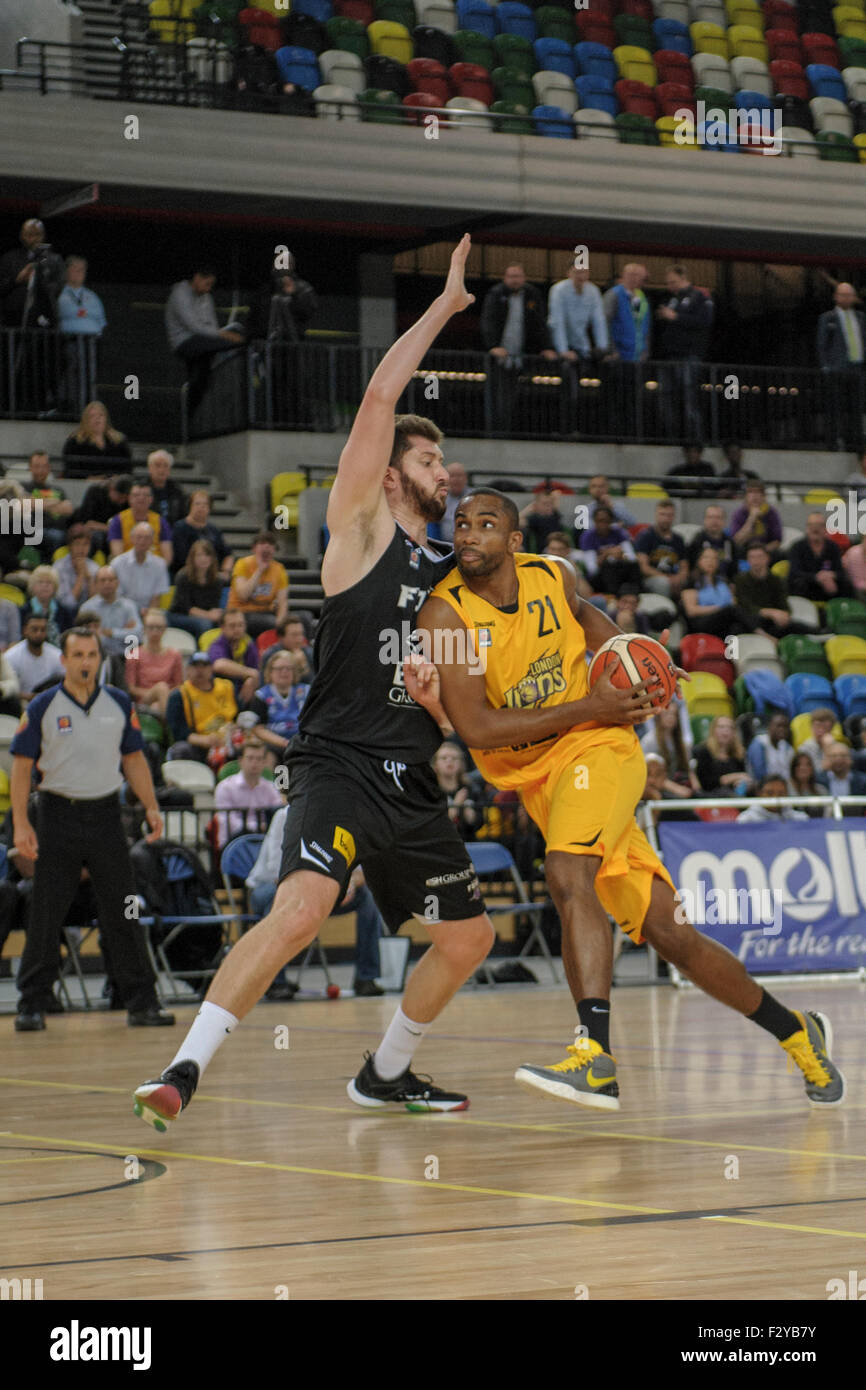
[535, 657]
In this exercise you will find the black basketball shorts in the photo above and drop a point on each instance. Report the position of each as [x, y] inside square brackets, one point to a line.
[347, 807]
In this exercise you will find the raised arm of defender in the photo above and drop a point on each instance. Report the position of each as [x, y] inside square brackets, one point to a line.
[358, 516]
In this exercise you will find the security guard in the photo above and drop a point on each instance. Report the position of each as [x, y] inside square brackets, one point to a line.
[81, 735]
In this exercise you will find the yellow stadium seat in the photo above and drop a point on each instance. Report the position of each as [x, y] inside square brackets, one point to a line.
[707, 694]
[846, 655]
[167, 599]
[860, 142]
[4, 791]
[207, 638]
[59, 553]
[285, 485]
[745, 41]
[635, 64]
[850, 22]
[645, 490]
[801, 730]
[745, 12]
[709, 38]
[669, 127]
[392, 40]
[99, 559]
[781, 568]
[13, 593]
[820, 496]
[171, 20]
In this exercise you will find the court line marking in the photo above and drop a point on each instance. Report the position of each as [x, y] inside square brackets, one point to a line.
[441, 1186]
[442, 1119]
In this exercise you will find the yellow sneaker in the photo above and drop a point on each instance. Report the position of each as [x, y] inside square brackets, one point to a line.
[587, 1076]
[810, 1049]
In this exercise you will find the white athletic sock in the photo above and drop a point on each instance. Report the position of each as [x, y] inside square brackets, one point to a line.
[211, 1028]
[397, 1048]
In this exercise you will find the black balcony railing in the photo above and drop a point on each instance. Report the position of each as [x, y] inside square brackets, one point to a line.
[42, 371]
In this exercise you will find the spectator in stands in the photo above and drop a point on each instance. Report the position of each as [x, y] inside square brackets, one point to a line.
[801, 782]
[292, 636]
[152, 670]
[234, 655]
[713, 534]
[449, 765]
[197, 526]
[101, 502]
[96, 446]
[608, 554]
[708, 602]
[262, 886]
[260, 586]
[280, 314]
[672, 740]
[10, 624]
[816, 747]
[686, 321]
[692, 466]
[278, 702]
[81, 317]
[56, 508]
[31, 278]
[42, 586]
[240, 797]
[167, 498]
[856, 480]
[513, 325]
[661, 554]
[458, 482]
[193, 330]
[770, 753]
[625, 611]
[659, 786]
[118, 617]
[628, 315]
[113, 668]
[854, 564]
[10, 539]
[76, 574]
[598, 488]
[841, 343]
[575, 310]
[139, 510]
[774, 785]
[10, 690]
[559, 543]
[197, 603]
[735, 476]
[141, 575]
[817, 571]
[720, 761]
[540, 519]
[762, 596]
[755, 520]
[35, 661]
[839, 778]
[201, 713]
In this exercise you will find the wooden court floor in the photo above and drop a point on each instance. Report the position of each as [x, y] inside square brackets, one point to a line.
[715, 1180]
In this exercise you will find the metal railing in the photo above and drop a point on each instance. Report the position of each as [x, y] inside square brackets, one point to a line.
[44, 371]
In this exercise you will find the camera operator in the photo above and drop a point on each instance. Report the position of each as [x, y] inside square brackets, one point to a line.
[279, 318]
[31, 279]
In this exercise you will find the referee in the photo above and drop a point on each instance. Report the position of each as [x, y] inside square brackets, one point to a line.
[81, 734]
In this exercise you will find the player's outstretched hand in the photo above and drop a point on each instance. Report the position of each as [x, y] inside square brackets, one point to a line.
[455, 291]
[610, 705]
[422, 681]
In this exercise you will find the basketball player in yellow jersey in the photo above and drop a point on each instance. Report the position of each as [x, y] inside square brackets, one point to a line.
[532, 724]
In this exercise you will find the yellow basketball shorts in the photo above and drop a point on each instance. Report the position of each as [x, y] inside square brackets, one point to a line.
[586, 805]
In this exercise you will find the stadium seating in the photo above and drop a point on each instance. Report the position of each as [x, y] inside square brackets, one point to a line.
[303, 31]
[430, 42]
[710, 38]
[640, 130]
[712, 70]
[594, 93]
[755, 650]
[415, 103]
[520, 121]
[700, 726]
[779, 14]
[699, 651]
[335, 102]
[747, 42]
[784, 46]
[676, 133]
[820, 49]
[851, 694]
[789, 79]
[801, 730]
[380, 106]
[555, 55]
[553, 122]
[594, 60]
[472, 81]
[513, 87]
[836, 147]
[707, 693]
[751, 74]
[554, 88]
[298, 66]
[674, 67]
[554, 23]
[472, 47]
[426, 75]
[594, 124]
[830, 114]
[438, 14]
[348, 35]
[512, 51]
[855, 83]
[635, 63]
[846, 617]
[846, 655]
[803, 654]
[673, 37]
[810, 692]
[343, 69]
[636, 98]
[392, 40]
[517, 20]
[672, 98]
[478, 16]
[469, 111]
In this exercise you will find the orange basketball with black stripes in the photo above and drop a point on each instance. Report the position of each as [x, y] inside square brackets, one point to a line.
[640, 659]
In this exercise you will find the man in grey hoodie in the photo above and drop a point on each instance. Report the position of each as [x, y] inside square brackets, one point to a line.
[193, 329]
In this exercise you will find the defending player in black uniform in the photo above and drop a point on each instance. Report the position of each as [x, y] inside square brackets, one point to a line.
[361, 788]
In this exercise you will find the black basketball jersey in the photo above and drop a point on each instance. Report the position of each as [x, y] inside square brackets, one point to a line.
[358, 696]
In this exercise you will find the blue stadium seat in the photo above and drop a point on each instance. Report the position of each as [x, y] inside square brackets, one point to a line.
[594, 60]
[555, 55]
[673, 36]
[826, 81]
[300, 66]
[322, 10]
[851, 694]
[597, 94]
[724, 147]
[513, 18]
[752, 101]
[811, 692]
[478, 16]
[553, 121]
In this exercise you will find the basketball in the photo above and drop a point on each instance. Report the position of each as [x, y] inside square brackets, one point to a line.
[641, 659]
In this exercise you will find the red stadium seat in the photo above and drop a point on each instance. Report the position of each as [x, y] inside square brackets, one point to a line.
[421, 99]
[593, 29]
[789, 80]
[642, 8]
[778, 14]
[600, 9]
[266, 639]
[355, 9]
[672, 97]
[261, 28]
[781, 43]
[471, 80]
[820, 48]
[700, 651]
[674, 67]
[636, 98]
[716, 813]
[426, 75]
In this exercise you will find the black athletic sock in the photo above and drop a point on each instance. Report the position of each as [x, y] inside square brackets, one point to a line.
[773, 1016]
[594, 1015]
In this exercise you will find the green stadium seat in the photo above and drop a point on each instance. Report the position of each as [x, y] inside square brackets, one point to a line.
[555, 23]
[833, 146]
[714, 98]
[511, 51]
[701, 725]
[804, 656]
[380, 107]
[513, 87]
[397, 12]
[743, 700]
[635, 129]
[846, 617]
[473, 48]
[348, 34]
[522, 124]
